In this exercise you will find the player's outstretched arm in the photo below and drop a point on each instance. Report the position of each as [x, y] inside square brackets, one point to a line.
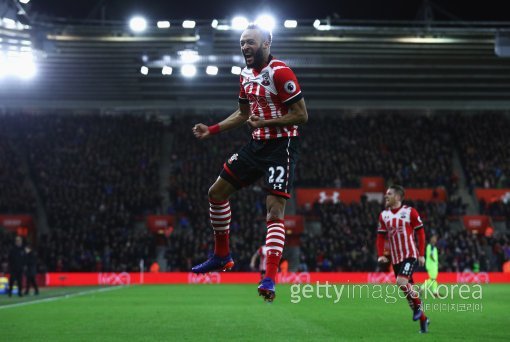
[235, 120]
[297, 115]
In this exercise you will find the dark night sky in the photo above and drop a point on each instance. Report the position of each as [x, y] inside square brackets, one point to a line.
[467, 10]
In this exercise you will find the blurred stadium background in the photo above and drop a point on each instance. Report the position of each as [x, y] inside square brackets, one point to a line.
[99, 170]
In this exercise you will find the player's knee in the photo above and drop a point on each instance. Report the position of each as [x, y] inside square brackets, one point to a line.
[401, 281]
[275, 213]
[215, 193]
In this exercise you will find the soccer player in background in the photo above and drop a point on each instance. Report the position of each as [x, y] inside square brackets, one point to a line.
[271, 102]
[400, 223]
[260, 254]
[431, 265]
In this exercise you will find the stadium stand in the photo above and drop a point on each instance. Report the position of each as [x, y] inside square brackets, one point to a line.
[16, 196]
[485, 149]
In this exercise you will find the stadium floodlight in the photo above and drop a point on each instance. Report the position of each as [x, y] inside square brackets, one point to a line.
[290, 23]
[236, 70]
[24, 2]
[239, 23]
[188, 70]
[265, 21]
[211, 70]
[189, 24]
[163, 24]
[144, 70]
[166, 70]
[138, 24]
[189, 56]
[317, 24]
[9, 23]
[214, 23]
[25, 68]
[145, 58]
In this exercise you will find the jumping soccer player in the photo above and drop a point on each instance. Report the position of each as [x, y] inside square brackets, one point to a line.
[400, 222]
[431, 265]
[270, 101]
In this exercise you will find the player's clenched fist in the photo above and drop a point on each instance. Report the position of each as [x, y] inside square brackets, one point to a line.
[201, 131]
[255, 121]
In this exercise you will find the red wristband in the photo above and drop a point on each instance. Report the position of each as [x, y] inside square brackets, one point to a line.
[214, 129]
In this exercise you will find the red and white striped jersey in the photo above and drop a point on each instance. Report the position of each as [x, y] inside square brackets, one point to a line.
[400, 224]
[262, 252]
[269, 92]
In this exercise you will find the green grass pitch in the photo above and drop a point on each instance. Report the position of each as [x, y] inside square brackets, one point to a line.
[235, 312]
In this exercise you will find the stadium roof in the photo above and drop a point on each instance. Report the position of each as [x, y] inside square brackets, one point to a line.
[349, 9]
[340, 63]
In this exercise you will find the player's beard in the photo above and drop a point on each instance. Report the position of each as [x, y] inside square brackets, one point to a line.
[258, 59]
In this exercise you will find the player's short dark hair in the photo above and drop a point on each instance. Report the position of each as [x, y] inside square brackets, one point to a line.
[266, 34]
[399, 189]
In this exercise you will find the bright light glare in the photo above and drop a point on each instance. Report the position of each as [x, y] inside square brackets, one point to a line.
[236, 70]
[138, 24]
[189, 56]
[188, 24]
[316, 23]
[266, 22]
[17, 64]
[144, 70]
[166, 70]
[214, 23]
[24, 1]
[211, 70]
[290, 23]
[239, 23]
[9, 23]
[163, 24]
[188, 70]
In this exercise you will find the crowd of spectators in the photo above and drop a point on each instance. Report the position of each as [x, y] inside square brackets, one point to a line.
[484, 149]
[412, 150]
[97, 174]
[16, 197]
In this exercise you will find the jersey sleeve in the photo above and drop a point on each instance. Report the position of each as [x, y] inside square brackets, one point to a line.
[381, 226]
[242, 94]
[287, 85]
[415, 219]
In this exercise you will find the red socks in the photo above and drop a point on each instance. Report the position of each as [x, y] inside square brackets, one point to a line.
[275, 240]
[413, 298]
[220, 215]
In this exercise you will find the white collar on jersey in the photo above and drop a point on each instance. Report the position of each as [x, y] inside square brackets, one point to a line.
[264, 79]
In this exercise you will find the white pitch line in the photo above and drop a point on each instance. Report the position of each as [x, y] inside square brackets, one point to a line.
[53, 299]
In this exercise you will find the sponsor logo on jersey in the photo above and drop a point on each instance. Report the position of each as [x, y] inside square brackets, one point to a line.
[265, 79]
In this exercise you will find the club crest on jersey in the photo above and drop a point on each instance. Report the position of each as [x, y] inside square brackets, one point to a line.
[403, 215]
[233, 158]
[265, 79]
[290, 87]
